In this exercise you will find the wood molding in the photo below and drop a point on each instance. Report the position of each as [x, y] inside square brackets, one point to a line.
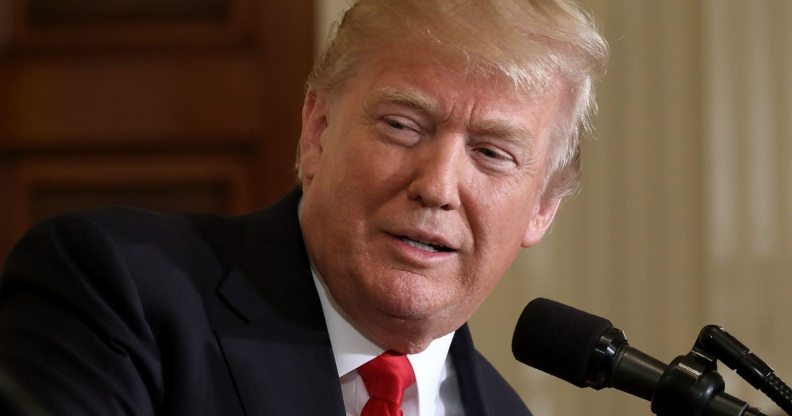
[115, 31]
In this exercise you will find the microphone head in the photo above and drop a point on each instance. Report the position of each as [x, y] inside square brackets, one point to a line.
[558, 339]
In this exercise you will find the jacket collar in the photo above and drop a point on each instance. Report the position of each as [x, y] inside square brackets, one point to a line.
[281, 336]
[466, 362]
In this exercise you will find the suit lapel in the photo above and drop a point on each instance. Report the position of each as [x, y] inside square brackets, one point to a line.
[279, 353]
[466, 364]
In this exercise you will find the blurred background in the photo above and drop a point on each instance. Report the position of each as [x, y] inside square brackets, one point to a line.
[177, 105]
[683, 218]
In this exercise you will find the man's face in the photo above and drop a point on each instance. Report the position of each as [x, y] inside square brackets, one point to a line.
[420, 187]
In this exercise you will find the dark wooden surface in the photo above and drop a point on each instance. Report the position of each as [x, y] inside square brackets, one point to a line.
[193, 106]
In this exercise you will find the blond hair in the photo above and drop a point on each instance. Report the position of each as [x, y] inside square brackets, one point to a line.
[530, 42]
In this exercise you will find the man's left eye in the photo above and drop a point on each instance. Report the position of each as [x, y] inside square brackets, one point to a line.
[491, 153]
[493, 158]
[395, 124]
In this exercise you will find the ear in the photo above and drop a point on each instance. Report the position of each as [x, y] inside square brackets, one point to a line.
[314, 123]
[541, 221]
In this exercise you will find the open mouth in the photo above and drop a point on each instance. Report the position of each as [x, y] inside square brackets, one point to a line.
[432, 248]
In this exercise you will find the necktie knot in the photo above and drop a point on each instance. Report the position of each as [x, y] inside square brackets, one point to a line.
[386, 378]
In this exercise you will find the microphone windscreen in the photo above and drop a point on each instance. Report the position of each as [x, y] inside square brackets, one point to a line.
[558, 339]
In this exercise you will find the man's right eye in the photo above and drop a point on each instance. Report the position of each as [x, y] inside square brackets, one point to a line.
[400, 130]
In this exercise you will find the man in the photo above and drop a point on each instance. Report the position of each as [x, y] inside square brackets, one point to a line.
[439, 138]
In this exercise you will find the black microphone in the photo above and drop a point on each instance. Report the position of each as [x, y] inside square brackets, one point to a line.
[581, 348]
[587, 351]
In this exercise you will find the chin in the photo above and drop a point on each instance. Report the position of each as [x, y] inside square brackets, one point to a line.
[430, 318]
[411, 311]
[410, 300]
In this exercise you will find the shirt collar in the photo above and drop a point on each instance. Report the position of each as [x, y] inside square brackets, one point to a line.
[351, 349]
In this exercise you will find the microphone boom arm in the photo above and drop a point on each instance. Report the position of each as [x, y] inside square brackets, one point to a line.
[719, 344]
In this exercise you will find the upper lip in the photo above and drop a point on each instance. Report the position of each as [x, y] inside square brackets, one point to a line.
[426, 237]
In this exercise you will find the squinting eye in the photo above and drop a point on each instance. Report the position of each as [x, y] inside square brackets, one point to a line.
[395, 124]
[494, 158]
[399, 130]
[490, 153]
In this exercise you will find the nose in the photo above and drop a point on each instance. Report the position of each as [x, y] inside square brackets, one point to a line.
[437, 174]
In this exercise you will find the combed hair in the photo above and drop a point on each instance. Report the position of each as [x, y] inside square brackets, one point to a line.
[533, 43]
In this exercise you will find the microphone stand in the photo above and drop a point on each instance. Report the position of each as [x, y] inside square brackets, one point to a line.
[731, 352]
[691, 387]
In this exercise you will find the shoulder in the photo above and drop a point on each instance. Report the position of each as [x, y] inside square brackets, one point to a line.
[123, 258]
[128, 232]
[127, 228]
[140, 249]
[126, 296]
[125, 262]
[111, 241]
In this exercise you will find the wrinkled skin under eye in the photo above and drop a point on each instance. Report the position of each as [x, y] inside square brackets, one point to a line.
[400, 129]
[494, 158]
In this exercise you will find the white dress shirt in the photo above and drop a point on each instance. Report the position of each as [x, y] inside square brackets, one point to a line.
[435, 392]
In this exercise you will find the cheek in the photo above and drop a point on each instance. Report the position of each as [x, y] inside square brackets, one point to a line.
[378, 164]
[499, 221]
[502, 208]
[359, 175]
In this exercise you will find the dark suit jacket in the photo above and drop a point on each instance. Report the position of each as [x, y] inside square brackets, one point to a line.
[123, 311]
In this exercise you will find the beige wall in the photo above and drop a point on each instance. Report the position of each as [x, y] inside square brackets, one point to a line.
[684, 216]
[328, 12]
[748, 176]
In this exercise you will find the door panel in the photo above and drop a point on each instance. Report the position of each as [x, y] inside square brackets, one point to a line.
[187, 105]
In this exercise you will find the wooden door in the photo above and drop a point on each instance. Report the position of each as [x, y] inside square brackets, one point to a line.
[177, 105]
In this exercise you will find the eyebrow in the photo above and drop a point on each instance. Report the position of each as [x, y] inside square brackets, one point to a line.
[503, 129]
[412, 99]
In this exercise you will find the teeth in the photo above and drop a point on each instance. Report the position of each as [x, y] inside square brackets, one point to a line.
[421, 246]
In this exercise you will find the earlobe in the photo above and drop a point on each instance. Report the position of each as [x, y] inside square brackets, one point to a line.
[314, 123]
[540, 222]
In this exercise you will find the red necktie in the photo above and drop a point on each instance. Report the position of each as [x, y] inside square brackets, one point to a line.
[386, 378]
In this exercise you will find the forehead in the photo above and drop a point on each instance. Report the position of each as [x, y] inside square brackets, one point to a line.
[449, 76]
[440, 81]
